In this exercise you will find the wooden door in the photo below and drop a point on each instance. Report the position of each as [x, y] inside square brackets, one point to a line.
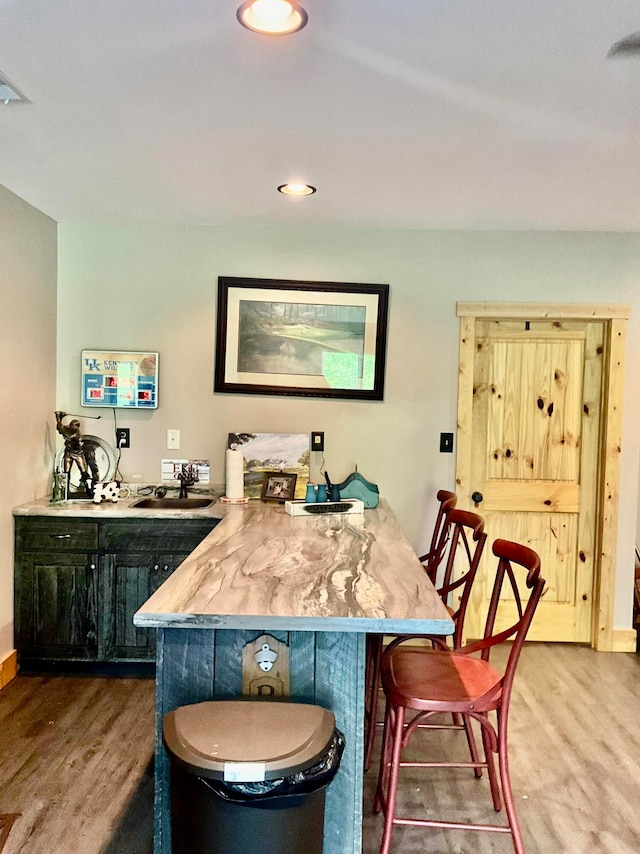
[531, 437]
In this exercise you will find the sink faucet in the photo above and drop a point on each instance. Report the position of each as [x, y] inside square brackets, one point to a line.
[188, 475]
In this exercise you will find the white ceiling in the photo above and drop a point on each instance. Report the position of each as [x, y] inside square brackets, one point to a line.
[422, 113]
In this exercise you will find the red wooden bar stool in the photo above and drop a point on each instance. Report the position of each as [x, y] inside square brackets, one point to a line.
[431, 682]
[439, 538]
[459, 557]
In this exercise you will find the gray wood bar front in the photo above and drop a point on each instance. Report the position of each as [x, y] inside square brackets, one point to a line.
[319, 584]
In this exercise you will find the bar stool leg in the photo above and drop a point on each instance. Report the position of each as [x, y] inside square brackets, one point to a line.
[505, 779]
[491, 767]
[393, 775]
[372, 685]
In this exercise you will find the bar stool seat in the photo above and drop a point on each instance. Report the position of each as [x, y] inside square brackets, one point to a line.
[457, 681]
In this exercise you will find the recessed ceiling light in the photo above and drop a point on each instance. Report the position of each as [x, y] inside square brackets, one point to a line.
[296, 189]
[274, 17]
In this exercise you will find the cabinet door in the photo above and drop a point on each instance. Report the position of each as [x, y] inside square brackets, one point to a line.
[58, 606]
[127, 582]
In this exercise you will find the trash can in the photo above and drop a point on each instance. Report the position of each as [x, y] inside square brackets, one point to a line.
[249, 777]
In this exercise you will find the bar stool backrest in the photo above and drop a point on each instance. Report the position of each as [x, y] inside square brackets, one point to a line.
[441, 533]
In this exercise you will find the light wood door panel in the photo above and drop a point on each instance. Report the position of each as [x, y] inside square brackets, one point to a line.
[535, 427]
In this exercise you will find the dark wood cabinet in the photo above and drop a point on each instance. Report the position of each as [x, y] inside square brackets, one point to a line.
[59, 606]
[79, 582]
[128, 581]
[56, 589]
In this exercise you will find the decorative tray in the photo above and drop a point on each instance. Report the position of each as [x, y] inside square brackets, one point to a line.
[321, 508]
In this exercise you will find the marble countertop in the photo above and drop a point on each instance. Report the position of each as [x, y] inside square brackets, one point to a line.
[122, 509]
[261, 568]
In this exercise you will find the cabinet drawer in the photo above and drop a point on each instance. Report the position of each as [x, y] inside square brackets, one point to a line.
[56, 535]
[154, 535]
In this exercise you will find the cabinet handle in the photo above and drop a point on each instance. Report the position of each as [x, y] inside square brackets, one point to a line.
[92, 566]
[156, 568]
[60, 536]
[166, 567]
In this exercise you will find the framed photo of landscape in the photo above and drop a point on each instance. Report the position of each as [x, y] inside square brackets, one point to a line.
[309, 339]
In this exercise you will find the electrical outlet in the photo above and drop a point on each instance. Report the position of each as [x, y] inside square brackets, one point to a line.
[122, 437]
[317, 441]
[173, 440]
[446, 443]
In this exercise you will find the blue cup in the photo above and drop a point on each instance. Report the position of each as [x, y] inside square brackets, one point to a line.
[334, 492]
[322, 492]
[310, 496]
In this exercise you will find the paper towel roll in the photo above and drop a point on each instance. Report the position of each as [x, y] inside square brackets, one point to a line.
[235, 474]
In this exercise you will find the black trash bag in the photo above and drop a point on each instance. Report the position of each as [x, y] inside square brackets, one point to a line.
[308, 780]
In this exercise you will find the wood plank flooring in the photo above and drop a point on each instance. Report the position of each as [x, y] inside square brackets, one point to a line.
[76, 762]
[574, 740]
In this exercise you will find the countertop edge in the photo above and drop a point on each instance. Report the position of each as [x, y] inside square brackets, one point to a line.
[291, 623]
[121, 509]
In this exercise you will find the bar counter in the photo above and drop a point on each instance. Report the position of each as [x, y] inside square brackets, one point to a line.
[317, 583]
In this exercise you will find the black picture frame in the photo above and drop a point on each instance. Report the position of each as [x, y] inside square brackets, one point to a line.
[278, 486]
[298, 338]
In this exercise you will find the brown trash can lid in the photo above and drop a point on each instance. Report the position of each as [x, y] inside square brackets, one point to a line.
[248, 741]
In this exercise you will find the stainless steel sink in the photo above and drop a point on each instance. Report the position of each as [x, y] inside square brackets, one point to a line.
[173, 503]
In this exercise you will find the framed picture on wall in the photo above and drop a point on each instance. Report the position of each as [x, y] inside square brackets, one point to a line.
[309, 339]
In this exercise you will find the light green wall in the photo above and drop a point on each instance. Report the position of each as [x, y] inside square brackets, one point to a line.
[27, 365]
[153, 287]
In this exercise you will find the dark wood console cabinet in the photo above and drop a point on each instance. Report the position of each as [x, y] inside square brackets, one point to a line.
[78, 583]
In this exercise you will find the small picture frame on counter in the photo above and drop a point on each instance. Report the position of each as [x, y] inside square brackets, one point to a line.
[278, 486]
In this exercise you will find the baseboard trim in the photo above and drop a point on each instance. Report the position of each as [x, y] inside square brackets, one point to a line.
[624, 640]
[8, 668]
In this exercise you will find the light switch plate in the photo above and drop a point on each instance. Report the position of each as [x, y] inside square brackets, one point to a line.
[446, 443]
[173, 440]
[317, 441]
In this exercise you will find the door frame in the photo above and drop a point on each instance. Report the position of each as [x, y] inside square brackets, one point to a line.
[603, 635]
